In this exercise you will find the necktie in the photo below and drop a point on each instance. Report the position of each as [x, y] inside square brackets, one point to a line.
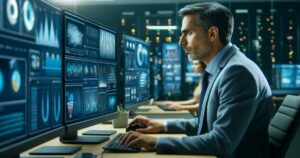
[203, 91]
[204, 87]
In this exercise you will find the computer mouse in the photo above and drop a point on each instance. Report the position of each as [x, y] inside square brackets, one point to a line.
[134, 127]
[85, 155]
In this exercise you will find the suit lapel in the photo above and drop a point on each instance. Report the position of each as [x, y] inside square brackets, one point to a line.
[222, 63]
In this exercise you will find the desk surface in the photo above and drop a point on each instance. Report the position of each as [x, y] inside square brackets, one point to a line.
[97, 149]
[153, 111]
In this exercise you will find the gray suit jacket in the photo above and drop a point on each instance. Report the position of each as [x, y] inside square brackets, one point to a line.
[237, 106]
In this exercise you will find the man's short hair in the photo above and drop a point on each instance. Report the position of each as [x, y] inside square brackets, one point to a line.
[212, 14]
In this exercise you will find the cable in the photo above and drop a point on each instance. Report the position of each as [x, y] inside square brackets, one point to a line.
[102, 153]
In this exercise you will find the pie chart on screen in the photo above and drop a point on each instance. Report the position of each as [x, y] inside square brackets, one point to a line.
[16, 81]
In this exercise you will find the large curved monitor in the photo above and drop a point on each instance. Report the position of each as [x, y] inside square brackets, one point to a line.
[136, 68]
[90, 91]
[30, 75]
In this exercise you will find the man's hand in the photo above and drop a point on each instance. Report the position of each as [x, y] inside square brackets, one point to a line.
[169, 103]
[135, 138]
[151, 126]
[174, 106]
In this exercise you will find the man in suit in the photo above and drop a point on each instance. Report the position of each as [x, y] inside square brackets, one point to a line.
[235, 104]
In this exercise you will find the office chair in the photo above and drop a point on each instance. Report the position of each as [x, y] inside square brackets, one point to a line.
[284, 126]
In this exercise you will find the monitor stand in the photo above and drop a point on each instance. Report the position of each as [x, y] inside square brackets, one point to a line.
[99, 132]
[73, 138]
[56, 150]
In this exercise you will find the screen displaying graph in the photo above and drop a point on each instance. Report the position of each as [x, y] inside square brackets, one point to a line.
[136, 71]
[30, 70]
[171, 69]
[90, 69]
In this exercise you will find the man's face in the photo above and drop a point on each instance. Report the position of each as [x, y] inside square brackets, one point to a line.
[194, 40]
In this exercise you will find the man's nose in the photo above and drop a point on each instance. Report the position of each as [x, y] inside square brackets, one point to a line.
[182, 41]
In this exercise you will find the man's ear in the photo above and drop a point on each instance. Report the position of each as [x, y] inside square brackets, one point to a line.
[213, 33]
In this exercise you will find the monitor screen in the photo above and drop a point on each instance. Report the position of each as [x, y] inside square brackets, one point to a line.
[30, 75]
[136, 71]
[286, 78]
[171, 69]
[297, 77]
[90, 72]
[155, 77]
[190, 75]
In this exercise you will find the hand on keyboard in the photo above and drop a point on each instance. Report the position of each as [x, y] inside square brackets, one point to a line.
[115, 145]
[142, 140]
[151, 125]
[134, 127]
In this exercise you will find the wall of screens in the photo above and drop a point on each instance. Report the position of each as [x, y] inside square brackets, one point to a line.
[30, 70]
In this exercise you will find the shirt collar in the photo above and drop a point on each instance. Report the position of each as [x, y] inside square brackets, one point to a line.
[212, 67]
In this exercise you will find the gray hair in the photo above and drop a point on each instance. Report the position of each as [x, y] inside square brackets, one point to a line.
[212, 14]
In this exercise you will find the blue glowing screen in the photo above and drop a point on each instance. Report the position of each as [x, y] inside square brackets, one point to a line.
[30, 69]
[90, 69]
[136, 70]
[171, 69]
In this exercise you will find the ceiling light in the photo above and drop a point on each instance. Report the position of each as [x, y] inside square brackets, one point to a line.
[156, 27]
[80, 1]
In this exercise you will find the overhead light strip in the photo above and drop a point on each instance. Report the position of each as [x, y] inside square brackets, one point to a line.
[80, 1]
[156, 27]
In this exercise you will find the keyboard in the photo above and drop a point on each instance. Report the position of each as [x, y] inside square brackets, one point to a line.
[114, 145]
[165, 108]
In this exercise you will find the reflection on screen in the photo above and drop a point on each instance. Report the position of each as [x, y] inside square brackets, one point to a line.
[137, 71]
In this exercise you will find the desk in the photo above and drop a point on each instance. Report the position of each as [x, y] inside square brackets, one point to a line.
[154, 112]
[97, 149]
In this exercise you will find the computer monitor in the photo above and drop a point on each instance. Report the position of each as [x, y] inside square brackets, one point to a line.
[90, 91]
[30, 75]
[136, 68]
[171, 69]
[191, 79]
[285, 79]
[191, 76]
[155, 77]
